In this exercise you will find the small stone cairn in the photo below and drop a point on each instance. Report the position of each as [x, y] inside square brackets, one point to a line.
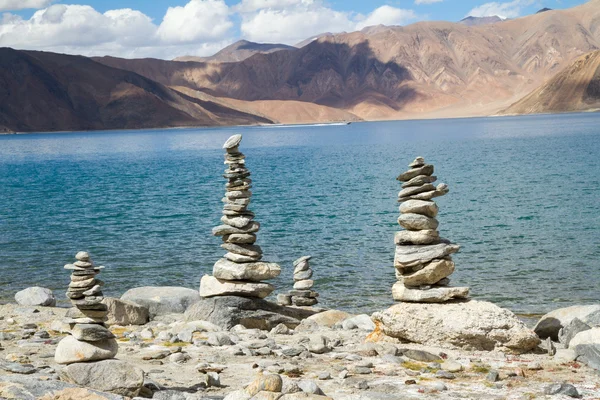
[90, 339]
[240, 271]
[422, 258]
[302, 294]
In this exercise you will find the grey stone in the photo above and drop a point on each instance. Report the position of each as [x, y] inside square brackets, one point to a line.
[91, 332]
[82, 256]
[589, 354]
[426, 170]
[219, 339]
[161, 300]
[284, 299]
[233, 142]
[256, 272]
[423, 207]
[562, 388]
[303, 275]
[240, 238]
[428, 236]
[433, 295]
[440, 190]
[17, 368]
[211, 286]
[361, 321]
[237, 258]
[303, 293]
[563, 356]
[25, 388]
[431, 273]
[421, 355]
[71, 350]
[304, 285]
[411, 256]
[237, 222]
[412, 190]
[492, 376]
[222, 230]
[571, 329]
[550, 324]
[122, 312]
[419, 180]
[417, 162]
[35, 296]
[243, 249]
[304, 301]
[308, 386]
[112, 376]
[445, 375]
[229, 311]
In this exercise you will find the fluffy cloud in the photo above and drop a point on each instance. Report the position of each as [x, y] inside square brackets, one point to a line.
[427, 1]
[387, 15]
[504, 10]
[23, 4]
[290, 21]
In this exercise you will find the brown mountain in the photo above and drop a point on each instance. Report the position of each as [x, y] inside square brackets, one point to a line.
[476, 21]
[428, 69]
[42, 91]
[576, 88]
[239, 51]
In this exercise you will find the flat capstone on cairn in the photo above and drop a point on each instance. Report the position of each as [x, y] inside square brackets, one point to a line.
[302, 294]
[89, 339]
[240, 272]
[422, 260]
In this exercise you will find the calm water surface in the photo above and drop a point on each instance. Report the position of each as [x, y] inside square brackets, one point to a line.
[524, 204]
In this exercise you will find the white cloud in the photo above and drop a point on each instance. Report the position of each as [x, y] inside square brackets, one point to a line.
[387, 15]
[427, 1]
[504, 10]
[23, 4]
[246, 6]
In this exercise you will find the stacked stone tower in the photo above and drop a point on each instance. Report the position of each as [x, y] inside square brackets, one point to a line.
[90, 339]
[302, 294]
[422, 261]
[240, 272]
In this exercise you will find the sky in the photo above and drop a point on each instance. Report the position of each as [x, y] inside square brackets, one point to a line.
[170, 28]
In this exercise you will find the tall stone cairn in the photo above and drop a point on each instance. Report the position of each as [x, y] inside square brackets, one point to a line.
[303, 293]
[240, 272]
[90, 339]
[422, 260]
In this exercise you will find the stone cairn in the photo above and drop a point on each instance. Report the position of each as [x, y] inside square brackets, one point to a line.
[422, 258]
[90, 340]
[302, 294]
[240, 271]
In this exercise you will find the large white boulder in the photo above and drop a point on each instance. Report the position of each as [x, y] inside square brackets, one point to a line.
[71, 350]
[112, 376]
[472, 325]
[551, 323]
[121, 312]
[162, 300]
[35, 296]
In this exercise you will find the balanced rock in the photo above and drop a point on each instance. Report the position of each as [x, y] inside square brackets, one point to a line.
[161, 300]
[225, 269]
[211, 286]
[430, 295]
[70, 350]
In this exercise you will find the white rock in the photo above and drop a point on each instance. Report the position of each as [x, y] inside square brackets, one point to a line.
[254, 271]
[70, 350]
[161, 300]
[551, 323]
[428, 236]
[35, 296]
[432, 273]
[591, 336]
[211, 286]
[471, 325]
[433, 295]
[121, 312]
[304, 285]
[112, 376]
[412, 256]
[422, 207]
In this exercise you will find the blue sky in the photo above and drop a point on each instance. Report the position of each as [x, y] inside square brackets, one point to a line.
[170, 28]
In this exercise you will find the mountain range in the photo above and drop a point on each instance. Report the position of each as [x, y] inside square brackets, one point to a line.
[424, 70]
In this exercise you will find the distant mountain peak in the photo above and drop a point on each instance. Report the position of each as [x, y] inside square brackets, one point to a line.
[238, 51]
[544, 10]
[476, 21]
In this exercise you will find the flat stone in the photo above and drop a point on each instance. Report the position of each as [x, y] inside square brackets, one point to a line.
[428, 236]
[426, 170]
[301, 260]
[122, 312]
[240, 238]
[418, 162]
[412, 190]
[304, 301]
[303, 266]
[303, 285]
[441, 190]
[235, 207]
[71, 350]
[161, 300]
[470, 325]
[238, 258]
[257, 271]
[419, 180]
[252, 313]
[89, 303]
[221, 230]
[243, 201]
[233, 142]
[75, 312]
[417, 222]
[284, 299]
[91, 332]
[243, 249]
[18, 368]
[20, 387]
[550, 324]
[35, 296]
[74, 267]
[114, 376]
[329, 318]
[433, 295]
[562, 388]
[421, 355]
[303, 275]
[303, 293]
[427, 208]
[239, 194]
[411, 256]
[83, 264]
[94, 291]
[211, 286]
[90, 282]
[431, 273]
[237, 222]
[589, 354]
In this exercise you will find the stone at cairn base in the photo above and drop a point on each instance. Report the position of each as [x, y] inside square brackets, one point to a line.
[471, 325]
[112, 376]
[71, 350]
[228, 311]
[433, 295]
[161, 300]
[211, 286]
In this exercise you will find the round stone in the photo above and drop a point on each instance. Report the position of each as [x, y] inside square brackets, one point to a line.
[233, 141]
[304, 285]
[82, 256]
[71, 350]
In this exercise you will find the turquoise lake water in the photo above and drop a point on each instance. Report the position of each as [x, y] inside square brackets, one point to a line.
[524, 204]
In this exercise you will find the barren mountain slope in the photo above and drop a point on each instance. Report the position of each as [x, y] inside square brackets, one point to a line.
[576, 88]
[395, 72]
[42, 91]
[239, 51]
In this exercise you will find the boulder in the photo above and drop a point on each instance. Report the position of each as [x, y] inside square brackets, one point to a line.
[161, 300]
[211, 286]
[433, 295]
[121, 312]
[571, 330]
[362, 321]
[590, 336]
[28, 388]
[71, 350]
[35, 296]
[329, 318]
[550, 324]
[589, 354]
[471, 325]
[228, 311]
[114, 376]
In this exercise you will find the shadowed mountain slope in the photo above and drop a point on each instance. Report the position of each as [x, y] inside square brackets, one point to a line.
[239, 51]
[576, 88]
[42, 91]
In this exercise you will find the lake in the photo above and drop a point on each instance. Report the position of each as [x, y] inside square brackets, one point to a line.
[524, 204]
